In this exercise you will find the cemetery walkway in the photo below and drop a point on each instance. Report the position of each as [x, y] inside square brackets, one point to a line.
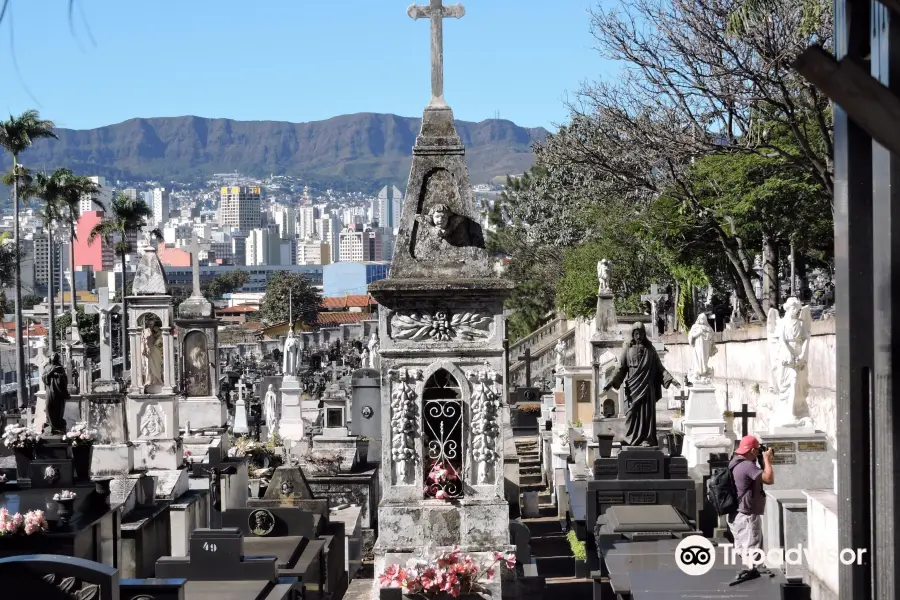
[549, 545]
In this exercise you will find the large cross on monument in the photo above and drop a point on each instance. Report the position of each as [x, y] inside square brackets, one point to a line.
[105, 309]
[527, 358]
[654, 298]
[194, 249]
[744, 415]
[437, 12]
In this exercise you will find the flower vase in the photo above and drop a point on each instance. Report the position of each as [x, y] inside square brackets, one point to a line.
[81, 461]
[24, 456]
[64, 510]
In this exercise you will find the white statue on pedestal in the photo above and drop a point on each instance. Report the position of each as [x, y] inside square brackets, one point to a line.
[291, 354]
[560, 350]
[700, 338]
[373, 350]
[603, 276]
[270, 409]
[789, 347]
[151, 355]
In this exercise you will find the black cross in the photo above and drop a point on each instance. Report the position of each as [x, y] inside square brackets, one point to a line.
[744, 415]
[681, 396]
[527, 358]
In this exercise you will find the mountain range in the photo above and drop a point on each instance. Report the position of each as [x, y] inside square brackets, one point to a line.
[366, 148]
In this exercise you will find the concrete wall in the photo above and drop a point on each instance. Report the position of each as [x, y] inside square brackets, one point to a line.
[741, 374]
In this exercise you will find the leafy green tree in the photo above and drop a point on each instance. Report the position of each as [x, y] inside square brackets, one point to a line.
[16, 135]
[88, 325]
[226, 283]
[286, 293]
[126, 216]
[76, 187]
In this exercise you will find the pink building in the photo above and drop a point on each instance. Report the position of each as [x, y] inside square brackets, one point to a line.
[171, 256]
[100, 255]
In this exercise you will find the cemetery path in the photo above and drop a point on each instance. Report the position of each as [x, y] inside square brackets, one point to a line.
[550, 548]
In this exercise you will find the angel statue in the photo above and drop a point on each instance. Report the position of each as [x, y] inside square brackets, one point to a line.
[603, 276]
[788, 349]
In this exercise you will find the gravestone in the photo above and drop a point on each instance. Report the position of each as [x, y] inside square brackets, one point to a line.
[703, 426]
[198, 341]
[365, 408]
[801, 461]
[240, 426]
[642, 477]
[441, 327]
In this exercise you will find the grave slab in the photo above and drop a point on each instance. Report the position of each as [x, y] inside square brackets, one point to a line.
[801, 461]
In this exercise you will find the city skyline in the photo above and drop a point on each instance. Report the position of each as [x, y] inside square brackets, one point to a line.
[182, 58]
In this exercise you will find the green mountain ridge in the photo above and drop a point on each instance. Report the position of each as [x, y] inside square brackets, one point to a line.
[367, 148]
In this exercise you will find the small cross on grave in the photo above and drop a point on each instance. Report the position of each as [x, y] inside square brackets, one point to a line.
[654, 298]
[744, 415]
[437, 12]
[679, 400]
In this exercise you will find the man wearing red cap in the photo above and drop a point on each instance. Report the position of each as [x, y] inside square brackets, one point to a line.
[746, 522]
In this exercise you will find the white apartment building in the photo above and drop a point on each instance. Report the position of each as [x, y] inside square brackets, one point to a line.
[307, 222]
[390, 207]
[104, 196]
[240, 207]
[286, 220]
[313, 252]
[160, 204]
[328, 229]
[360, 246]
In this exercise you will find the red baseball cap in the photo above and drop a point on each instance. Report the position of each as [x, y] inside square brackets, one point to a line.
[748, 443]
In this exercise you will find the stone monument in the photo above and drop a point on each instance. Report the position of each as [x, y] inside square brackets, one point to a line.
[440, 316]
[198, 342]
[152, 409]
[290, 427]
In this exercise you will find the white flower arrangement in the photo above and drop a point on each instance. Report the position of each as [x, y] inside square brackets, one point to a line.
[18, 436]
[64, 495]
[80, 435]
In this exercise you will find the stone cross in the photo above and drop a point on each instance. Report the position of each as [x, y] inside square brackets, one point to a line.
[105, 310]
[654, 298]
[527, 358]
[680, 397]
[240, 389]
[744, 416]
[194, 249]
[437, 12]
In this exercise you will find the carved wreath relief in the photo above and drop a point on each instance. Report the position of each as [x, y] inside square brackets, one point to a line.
[485, 429]
[440, 326]
[404, 422]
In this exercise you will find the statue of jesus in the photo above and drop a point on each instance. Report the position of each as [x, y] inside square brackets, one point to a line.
[644, 376]
[291, 353]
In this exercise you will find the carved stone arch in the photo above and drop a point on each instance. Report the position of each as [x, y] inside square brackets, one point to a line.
[444, 421]
[465, 386]
[142, 318]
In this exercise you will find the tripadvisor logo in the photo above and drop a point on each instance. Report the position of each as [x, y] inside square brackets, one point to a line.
[695, 555]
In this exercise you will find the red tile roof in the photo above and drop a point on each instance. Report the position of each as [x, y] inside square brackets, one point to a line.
[341, 318]
[351, 301]
[237, 310]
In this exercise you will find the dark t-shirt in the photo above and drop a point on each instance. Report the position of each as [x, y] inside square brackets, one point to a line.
[748, 480]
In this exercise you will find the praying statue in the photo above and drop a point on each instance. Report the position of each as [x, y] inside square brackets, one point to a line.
[374, 345]
[789, 346]
[270, 408]
[700, 338]
[291, 354]
[644, 376]
[603, 276]
[57, 386]
[151, 355]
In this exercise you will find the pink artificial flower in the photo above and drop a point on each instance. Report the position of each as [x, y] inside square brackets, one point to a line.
[490, 574]
[441, 495]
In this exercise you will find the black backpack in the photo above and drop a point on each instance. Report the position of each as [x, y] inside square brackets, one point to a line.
[722, 492]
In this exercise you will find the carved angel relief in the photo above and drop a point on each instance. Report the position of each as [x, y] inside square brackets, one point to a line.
[404, 422]
[440, 326]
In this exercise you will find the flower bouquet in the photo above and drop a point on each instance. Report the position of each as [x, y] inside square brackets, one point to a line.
[65, 495]
[17, 524]
[82, 440]
[80, 435]
[449, 574]
[442, 481]
[23, 441]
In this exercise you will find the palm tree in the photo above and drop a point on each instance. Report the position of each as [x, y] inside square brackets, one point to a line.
[51, 189]
[16, 135]
[75, 188]
[126, 216]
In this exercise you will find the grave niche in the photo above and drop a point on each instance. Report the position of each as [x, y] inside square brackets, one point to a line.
[442, 415]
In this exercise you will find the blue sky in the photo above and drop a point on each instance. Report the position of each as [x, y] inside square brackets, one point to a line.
[290, 60]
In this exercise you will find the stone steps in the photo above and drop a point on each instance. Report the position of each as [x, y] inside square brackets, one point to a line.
[525, 479]
[543, 526]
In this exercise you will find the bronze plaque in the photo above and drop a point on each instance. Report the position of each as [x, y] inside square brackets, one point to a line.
[781, 447]
[609, 498]
[641, 466]
[784, 459]
[641, 497]
[812, 447]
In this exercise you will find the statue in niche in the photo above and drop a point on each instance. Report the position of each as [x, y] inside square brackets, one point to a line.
[270, 408]
[372, 349]
[440, 229]
[196, 365]
[152, 424]
[151, 353]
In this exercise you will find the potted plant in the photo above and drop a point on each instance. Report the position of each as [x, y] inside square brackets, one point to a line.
[64, 501]
[82, 440]
[582, 571]
[447, 575]
[23, 441]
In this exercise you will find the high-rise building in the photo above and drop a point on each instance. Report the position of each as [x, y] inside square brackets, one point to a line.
[130, 193]
[313, 252]
[328, 229]
[104, 196]
[160, 206]
[286, 220]
[360, 246]
[41, 268]
[239, 248]
[308, 216]
[257, 247]
[240, 207]
[390, 207]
